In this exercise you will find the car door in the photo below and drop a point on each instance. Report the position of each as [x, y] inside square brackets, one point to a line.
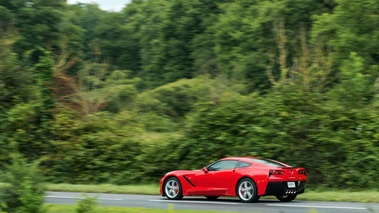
[216, 178]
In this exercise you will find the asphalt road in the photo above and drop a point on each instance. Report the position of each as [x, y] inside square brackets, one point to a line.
[220, 205]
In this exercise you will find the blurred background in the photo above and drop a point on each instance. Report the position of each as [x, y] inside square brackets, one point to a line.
[122, 96]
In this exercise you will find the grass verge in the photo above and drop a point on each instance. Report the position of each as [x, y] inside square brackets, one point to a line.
[170, 209]
[153, 189]
[341, 196]
[147, 189]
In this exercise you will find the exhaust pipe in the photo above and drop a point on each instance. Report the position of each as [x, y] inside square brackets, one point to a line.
[290, 191]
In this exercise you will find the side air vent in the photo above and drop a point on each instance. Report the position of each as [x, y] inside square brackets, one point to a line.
[185, 178]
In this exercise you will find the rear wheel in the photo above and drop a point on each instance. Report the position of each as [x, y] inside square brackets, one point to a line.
[247, 191]
[286, 198]
[173, 189]
[212, 197]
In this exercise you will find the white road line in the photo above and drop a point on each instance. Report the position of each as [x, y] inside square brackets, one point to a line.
[69, 197]
[195, 202]
[317, 207]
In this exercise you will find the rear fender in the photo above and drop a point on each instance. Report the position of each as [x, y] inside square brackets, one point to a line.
[259, 180]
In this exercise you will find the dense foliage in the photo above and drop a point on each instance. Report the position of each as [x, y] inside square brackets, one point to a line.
[123, 97]
[23, 190]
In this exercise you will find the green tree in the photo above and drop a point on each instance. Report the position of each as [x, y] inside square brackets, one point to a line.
[36, 21]
[16, 90]
[15, 79]
[351, 27]
[72, 38]
[117, 42]
[7, 21]
[85, 19]
[45, 77]
[22, 131]
[356, 87]
[245, 39]
[170, 36]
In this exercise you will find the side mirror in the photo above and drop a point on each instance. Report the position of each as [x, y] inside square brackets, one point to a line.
[205, 169]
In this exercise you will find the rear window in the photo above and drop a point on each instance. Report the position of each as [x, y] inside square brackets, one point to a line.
[267, 162]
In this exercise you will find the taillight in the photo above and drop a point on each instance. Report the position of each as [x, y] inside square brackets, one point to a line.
[302, 171]
[276, 172]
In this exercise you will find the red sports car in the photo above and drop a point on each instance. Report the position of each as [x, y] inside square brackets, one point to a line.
[248, 178]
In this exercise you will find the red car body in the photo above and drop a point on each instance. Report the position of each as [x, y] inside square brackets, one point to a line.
[246, 177]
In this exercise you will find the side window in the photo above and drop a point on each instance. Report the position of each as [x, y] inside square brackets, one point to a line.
[222, 165]
[243, 164]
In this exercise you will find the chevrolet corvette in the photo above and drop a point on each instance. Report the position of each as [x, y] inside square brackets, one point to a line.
[249, 178]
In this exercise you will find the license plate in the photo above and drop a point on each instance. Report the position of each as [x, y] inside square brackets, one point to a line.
[291, 184]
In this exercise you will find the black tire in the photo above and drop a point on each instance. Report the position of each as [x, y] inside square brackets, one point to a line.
[212, 197]
[286, 198]
[173, 189]
[247, 191]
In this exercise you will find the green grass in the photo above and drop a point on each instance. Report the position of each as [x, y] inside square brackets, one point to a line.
[147, 189]
[170, 209]
[341, 196]
[153, 189]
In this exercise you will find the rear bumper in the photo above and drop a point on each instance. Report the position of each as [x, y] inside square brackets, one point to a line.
[281, 188]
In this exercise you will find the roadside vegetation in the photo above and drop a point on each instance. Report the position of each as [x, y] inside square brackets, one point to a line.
[73, 209]
[365, 196]
[24, 188]
[147, 189]
[170, 209]
[96, 97]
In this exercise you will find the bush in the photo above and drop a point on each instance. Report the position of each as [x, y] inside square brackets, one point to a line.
[98, 149]
[24, 191]
[86, 205]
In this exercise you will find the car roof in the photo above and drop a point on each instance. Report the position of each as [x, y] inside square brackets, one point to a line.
[261, 161]
[240, 158]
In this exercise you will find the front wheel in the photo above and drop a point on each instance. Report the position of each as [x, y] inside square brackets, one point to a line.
[247, 191]
[173, 189]
[286, 198]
